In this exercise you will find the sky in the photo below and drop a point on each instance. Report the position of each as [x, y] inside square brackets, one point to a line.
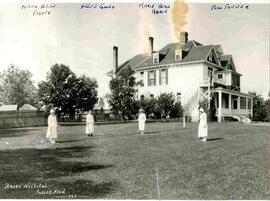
[83, 39]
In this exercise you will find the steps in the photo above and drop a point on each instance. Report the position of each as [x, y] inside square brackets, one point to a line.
[242, 118]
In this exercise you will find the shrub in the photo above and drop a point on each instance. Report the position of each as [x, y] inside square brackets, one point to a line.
[162, 106]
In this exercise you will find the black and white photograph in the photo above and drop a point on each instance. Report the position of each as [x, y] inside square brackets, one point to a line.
[135, 100]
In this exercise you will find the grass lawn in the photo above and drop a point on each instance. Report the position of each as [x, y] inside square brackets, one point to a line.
[168, 162]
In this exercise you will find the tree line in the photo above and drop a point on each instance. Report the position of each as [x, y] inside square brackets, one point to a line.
[62, 90]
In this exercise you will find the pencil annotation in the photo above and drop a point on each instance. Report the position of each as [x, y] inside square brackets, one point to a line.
[101, 6]
[156, 9]
[38, 10]
[229, 6]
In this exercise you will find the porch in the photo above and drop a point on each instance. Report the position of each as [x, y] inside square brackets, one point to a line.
[231, 103]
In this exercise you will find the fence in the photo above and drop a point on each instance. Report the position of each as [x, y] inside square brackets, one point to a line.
[18, 119]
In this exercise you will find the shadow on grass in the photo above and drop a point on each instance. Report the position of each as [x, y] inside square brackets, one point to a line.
[66, 141]
[16, 132]
[50, 166]
[214, 139]
[151, 132]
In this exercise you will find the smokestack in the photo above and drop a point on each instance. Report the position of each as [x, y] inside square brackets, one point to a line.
[151, 45]
[183, 38]
[115, 58]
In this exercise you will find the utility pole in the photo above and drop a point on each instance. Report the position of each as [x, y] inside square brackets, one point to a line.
[184, 119]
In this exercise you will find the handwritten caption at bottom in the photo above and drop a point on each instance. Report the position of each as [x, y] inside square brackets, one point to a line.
[39, 189]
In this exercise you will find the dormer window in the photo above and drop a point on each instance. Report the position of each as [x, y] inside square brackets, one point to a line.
[155, 58]
[178, 55]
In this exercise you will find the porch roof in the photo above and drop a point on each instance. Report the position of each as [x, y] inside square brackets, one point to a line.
[233, 92]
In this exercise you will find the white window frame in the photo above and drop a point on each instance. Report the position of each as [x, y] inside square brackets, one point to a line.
[155, 58]
[163, 80]
[153, 78]
[141, 78]
[178, 55]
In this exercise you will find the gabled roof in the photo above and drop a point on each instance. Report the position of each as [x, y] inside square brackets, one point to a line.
[226, 60]
[193, 51]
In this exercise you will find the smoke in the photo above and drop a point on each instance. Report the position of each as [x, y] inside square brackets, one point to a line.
[145, 30]
[179, 18]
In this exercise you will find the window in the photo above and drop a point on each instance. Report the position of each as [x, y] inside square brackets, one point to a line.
[142, 97]
[236, 80]
[163, 77]
[220, 76]
[249, 104]
[225, 100]
[151, 95]
[234, 102]
[142, 79]
[178, 55]
[151, 78]
[155, 58]
[243, 103]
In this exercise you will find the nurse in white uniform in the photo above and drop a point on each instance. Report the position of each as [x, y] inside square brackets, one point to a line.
[141, 120]
[203, 129]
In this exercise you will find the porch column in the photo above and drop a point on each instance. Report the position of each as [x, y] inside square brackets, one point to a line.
[219, 106]
[247, 103]
[238, 105]
[230, 102]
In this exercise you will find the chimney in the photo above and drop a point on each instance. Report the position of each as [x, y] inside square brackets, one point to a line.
[115, 59]
[183, 38]
[151, 45]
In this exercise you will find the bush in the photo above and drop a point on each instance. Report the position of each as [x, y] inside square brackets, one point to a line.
[162, 106]
[149, 106]
[177, 110]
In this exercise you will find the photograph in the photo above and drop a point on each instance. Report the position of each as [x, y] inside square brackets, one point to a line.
[135, 100]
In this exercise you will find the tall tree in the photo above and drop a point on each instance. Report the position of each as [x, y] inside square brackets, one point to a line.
[122, 96]
[259, 109]
[86, 93]
[62, 89]
[17, 86]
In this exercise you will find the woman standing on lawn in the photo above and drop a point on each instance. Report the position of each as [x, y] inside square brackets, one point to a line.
[203, 129]
[52, 127]
[89, 130]
[141, 119]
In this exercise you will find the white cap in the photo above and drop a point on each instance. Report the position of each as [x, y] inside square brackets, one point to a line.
[201, 110]
[52, 111]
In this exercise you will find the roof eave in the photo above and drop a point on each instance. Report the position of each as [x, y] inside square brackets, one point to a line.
[168, 65]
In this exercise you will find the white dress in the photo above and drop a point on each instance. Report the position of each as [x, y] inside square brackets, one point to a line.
[89, 124]
[142, 119]
[52, 127]
[203, 130]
